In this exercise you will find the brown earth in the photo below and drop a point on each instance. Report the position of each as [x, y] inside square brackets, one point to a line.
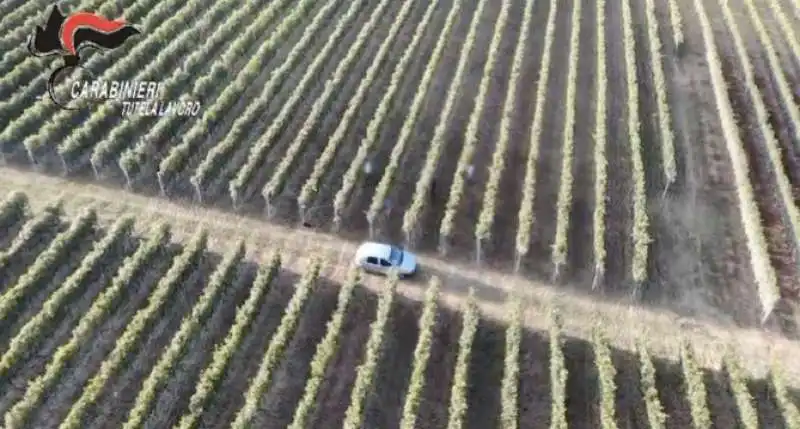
[491, 288]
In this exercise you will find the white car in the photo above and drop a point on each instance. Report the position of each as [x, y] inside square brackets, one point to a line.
[382, 258]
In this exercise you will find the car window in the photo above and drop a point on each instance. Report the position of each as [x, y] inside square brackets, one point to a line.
[372, 260]
[396, 256]
[385, 263]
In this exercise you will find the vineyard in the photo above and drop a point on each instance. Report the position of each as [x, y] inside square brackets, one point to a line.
[108, 327]
[510, 133]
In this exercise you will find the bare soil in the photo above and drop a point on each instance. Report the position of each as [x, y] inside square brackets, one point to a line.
[386, 397]
[700, 288]
[289, 380]
[491, 287]
[580, 263]
[620, 185]
[243, 367]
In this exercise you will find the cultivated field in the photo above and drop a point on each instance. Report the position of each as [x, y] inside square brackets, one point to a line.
[105, 327]
[643, 149]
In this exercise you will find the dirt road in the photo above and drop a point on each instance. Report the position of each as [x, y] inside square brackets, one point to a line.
[624, 323]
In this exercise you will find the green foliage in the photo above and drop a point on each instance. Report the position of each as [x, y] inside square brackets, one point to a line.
[272, 358]
[326, 349]
[458, 394]
[558, 375]
[421, 354]
[655, 410]
[36, 327]
[695, 389]
[223, 275]
[509, 415]
[365, 372]
[99, 310]
[606, 372]
[47, 261]
[129, 340]
[744, 401]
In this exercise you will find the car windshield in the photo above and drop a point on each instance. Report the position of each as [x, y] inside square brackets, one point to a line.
[396, 256]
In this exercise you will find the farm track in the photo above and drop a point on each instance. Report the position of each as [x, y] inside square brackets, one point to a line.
[393, 365]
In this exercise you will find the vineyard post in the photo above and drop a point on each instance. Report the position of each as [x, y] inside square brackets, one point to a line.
[767, 313]
[556, 273]
[95, 170]
[64, 167]
[444, 245]
[30, 156]
[636, 294]
[598, 276]
[517, 261]
[127, 176]
[666, 189]
[478, 251]
[337, 222]
[341, 255]
[268, 209]
[160, 178]
[371, 223]
[234, 193]
[198, 195]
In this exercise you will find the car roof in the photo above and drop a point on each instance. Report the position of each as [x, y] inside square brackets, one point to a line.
[371, 248]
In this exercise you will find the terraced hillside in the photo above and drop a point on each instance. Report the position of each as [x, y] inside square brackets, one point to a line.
[104, 326]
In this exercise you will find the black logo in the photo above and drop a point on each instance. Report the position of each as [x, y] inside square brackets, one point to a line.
[66, 36]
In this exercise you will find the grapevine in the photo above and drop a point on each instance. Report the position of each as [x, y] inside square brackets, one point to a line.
[47, 261]
[128, 341]
[260, 149]
[100, 308]
[325, 352]
[421, 354]
[277, 346]
[222, 276]
[412, 215]
[35, 328]
[366, 371]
